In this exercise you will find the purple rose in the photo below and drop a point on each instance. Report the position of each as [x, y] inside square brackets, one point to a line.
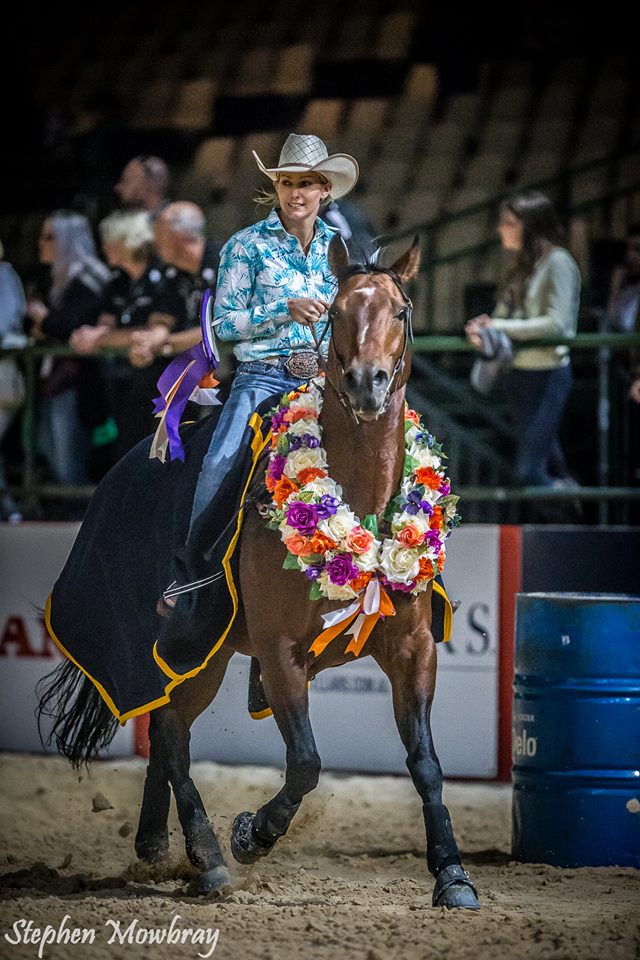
[312, 573]
[327, 506]
[303, 516]
[276, 467]
[341, 570]
[403, 587]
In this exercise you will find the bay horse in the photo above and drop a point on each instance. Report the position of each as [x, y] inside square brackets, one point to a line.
[362, 422]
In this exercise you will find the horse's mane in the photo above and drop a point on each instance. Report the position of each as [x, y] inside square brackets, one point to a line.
[368, 266]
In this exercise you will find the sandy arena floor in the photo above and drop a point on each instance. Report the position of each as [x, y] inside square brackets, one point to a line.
[349, 881]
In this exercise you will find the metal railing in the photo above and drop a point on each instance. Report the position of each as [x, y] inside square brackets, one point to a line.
[31, 490]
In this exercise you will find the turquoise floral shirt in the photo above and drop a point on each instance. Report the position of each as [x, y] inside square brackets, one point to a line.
[261, 268]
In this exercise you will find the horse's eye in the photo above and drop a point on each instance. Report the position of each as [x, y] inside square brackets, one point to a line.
[402, 316]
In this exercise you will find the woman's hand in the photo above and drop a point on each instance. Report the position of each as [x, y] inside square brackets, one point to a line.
[472, 329]
[306, 311]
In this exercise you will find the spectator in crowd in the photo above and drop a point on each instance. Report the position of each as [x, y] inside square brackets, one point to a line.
[623, 309]
[354, 226]
[128, 304]
[143, 184]
[13, 305]
[541, 298]
[69, 393]
[190, 268]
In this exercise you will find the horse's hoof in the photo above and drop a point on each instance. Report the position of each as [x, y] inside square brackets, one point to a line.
[152, 849]
[245, 846]
[454, 889]
[214, 883]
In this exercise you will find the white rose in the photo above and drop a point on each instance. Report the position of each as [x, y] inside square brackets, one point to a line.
[332, 591]
[424, 456]
[419, 520]
[368, 561]
[303, 459]
[304, 426]
[286, 531]
[400, 565]
[324, 485]
[306, 401]
[339, 525]
[411, 434]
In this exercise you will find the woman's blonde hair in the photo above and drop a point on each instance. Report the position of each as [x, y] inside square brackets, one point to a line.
[269, 198]
[132, 228]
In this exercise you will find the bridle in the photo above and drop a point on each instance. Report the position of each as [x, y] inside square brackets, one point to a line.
[408, 337]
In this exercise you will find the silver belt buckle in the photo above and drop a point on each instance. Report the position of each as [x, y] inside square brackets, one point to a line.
[302, 364]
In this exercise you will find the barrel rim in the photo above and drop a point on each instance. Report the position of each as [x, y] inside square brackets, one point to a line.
[584, 597]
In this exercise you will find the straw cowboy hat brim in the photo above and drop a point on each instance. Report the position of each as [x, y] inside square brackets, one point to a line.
[303, 153]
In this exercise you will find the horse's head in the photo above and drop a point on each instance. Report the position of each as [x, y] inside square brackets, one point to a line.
[371, 327]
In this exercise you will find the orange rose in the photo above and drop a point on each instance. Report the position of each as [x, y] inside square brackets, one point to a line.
[426, 569]
[436, 519]
[428, 477]
[441, 559]
[310, 473]
[321, 543]
[360, 582]
[283, 489]
[413, 416]
[302, 413]
[298, 545]
[269, 483]
[359, 540]
[410, 536]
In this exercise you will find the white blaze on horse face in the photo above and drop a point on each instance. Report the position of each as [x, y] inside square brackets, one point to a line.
[364, 329]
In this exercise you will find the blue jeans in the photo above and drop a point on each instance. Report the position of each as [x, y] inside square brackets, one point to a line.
[253, 383]
[539, 398]
[62, 438]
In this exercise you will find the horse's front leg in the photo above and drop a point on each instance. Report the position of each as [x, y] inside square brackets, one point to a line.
[411, 668]
[285, 685]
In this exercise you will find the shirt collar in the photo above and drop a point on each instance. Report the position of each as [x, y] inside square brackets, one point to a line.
[273, 222]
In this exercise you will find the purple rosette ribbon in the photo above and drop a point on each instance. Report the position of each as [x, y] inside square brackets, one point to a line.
[186, 371]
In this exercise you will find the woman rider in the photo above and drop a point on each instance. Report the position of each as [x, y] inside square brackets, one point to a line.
[274, 284]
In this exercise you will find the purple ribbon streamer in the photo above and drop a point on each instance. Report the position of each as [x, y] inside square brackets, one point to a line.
[178, 365]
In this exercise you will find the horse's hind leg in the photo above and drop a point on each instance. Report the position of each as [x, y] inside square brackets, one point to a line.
[169, 732]
[412, 672]
[253, 835]
[152, 838]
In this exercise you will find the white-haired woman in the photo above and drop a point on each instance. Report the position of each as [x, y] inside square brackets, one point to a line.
[274, 284]
[78, 279]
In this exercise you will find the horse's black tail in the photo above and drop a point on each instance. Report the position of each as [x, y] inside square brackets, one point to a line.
[83, 724]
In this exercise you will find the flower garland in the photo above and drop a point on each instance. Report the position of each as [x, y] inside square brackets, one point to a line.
[339, 554]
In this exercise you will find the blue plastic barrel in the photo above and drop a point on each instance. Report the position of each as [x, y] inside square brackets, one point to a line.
[576, 730]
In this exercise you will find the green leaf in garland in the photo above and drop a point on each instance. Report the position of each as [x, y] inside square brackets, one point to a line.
[282, 446]
[410, 464]
[274, 524]
[370, 523]
[315, 558]
[439, 452]
[450, 500]
[307, 496]
[290, 562]
[394, 506]
[315, 593]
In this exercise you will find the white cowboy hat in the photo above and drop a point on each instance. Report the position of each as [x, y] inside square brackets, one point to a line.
[303, 152]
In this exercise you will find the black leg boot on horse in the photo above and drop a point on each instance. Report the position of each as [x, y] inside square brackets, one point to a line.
[412, 676]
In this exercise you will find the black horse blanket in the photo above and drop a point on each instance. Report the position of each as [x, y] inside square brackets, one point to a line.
[102, 610]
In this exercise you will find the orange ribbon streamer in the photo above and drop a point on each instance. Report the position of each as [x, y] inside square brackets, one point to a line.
[362, 626]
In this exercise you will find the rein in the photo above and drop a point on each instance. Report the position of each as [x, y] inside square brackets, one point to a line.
[408, 338]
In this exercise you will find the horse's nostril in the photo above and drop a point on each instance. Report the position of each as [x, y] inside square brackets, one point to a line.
[350, 379]
[381, 378]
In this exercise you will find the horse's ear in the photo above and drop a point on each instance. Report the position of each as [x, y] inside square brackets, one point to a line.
[408, 264]
[338, 255]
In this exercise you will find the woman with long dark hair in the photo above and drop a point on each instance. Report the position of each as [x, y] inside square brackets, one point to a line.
[540, 298]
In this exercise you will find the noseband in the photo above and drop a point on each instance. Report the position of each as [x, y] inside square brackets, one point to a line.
[408, 336]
